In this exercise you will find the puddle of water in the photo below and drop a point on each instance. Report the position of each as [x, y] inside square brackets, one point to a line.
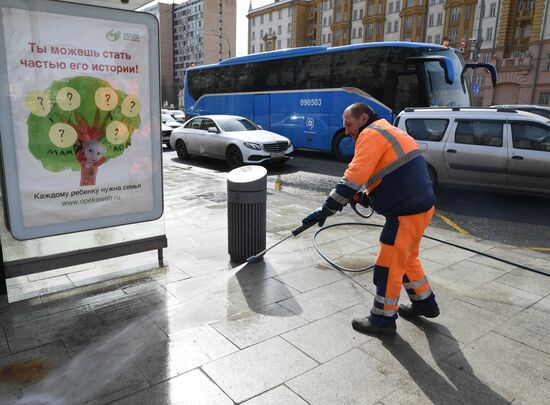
[101, 363]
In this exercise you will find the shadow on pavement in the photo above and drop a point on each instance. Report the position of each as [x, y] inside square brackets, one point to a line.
[456, 386]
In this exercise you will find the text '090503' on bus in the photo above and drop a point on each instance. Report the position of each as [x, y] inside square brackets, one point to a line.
[301, 92]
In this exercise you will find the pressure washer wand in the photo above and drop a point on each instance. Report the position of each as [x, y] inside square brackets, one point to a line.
[294, 232]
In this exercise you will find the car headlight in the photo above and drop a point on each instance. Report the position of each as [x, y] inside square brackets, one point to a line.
[252, 145]
[288, 144]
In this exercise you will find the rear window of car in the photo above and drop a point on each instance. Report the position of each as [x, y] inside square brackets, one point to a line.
[531, 135]
[427, 129]
[479, 132]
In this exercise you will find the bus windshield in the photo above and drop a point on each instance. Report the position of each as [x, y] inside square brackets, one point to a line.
[440, 93]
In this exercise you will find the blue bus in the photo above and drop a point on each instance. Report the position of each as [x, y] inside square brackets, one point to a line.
[301, 93]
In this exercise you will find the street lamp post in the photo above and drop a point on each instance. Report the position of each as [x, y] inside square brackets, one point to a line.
[224, 36]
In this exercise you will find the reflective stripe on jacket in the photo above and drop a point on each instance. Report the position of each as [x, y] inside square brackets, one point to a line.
[388, 162]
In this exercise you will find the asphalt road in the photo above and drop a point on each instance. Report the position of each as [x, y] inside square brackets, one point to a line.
[515, 219]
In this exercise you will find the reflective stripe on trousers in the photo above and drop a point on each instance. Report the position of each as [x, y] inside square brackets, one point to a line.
[397, 263]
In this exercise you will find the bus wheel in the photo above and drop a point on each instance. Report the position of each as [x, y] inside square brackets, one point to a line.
[181, 150]
[234, 157]
[343, 147]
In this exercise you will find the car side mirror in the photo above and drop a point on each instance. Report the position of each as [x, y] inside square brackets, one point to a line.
[213, 130]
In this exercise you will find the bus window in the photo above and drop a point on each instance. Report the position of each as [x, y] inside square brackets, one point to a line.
[313, 72]
[407, 92]
[280, 75]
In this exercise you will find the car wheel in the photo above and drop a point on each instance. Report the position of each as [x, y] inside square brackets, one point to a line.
[181, 149]
[433, 178]
[234, 157]
[343, 147]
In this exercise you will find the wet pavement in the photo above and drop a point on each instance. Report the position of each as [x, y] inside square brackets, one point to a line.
[201, 331]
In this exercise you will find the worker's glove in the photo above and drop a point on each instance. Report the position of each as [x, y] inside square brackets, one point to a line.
[361, 198]
[318, 216]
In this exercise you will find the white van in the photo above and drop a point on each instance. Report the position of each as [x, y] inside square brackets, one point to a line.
[499, 148]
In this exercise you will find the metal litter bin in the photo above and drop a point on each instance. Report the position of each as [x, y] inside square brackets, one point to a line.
[246, 212]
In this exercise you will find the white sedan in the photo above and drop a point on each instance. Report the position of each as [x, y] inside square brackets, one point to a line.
[232, 138]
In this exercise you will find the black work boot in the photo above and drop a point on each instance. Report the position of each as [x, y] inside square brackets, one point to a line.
[413, 311]
[365, 325]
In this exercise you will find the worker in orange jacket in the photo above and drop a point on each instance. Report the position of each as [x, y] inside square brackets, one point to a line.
[389, 163]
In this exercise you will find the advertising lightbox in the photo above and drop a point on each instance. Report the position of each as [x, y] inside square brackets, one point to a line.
[79, 117]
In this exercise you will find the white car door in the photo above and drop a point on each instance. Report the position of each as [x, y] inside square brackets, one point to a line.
[529, 155]
[476, 152]
[193, 135]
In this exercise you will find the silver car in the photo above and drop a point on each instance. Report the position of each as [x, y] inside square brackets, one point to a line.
[234, 139]
[498, 148]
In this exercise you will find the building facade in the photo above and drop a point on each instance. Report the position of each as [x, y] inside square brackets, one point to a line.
[192, 33]
[514, 35]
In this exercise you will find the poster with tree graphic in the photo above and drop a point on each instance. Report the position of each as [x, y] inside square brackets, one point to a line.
[80, 126]
[88, 123]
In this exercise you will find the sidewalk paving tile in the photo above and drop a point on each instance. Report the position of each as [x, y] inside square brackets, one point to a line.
[531, 327]
[192, 388]
[517, 371]
[326, 338]
[182, 352]
[249, 328]
[326, 300]
[352, 378]
[258, 368]
[277, 396]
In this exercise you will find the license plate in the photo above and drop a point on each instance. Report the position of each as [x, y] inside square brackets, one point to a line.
[277, 154]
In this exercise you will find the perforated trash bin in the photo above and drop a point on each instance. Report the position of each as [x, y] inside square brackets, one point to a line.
[246, 212]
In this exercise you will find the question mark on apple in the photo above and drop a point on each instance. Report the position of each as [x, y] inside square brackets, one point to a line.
[68, 99]
[131, 106]
[106, 98]
[62, 135]
[38, 103]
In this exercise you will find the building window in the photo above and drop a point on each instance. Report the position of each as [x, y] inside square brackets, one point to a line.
[492, 9]
[452, 37]
[438, 39]
[455, 14]
[288, 43]
[431, 20]
[261, 34]
[388, 28]
[279, 45]
[324, 38]
[253, 35]
[547, 61]
[261, 47]
[270, 16]
[279, 30]
[429, 38]
[440, 19]
[369, 30]
[254, 22]
[544, 98]
[410, 3]
[329, 37]
[261, 19]
[360, 32]
[396, 26]
[252, 49]
[467, 13]
[397, 6]
[489, 35]
[408, 23]
[290, 11]
[391, 8]
[289, 27]
[361, 13]
[280, 14]
[355, 14]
